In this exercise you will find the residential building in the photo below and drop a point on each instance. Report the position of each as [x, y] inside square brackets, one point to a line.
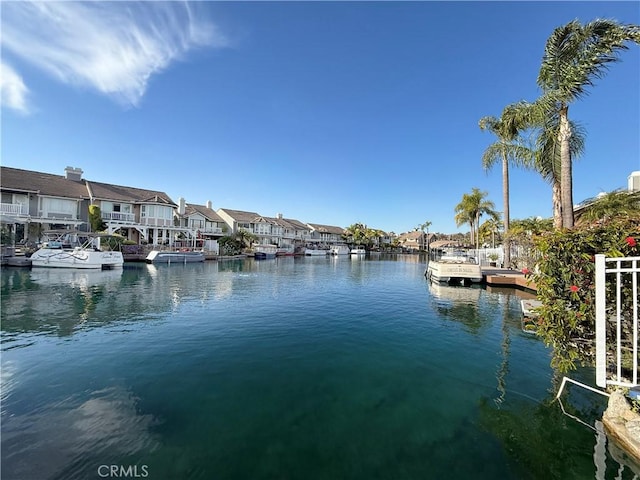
[280, 231]
[327, 234]
[415, 241]
[201, 219]
[33, 202]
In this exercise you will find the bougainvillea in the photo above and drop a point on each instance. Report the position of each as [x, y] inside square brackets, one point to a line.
[565, 279]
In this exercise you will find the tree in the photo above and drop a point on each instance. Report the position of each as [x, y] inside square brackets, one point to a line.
[490, 229]
[245, 237]
[574, 56]
[425, 226]
[543, 152]
[471, 208]
[606, 206]
[508, 149]
[95, 219]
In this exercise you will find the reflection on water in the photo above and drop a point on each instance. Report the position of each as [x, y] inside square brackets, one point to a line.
[283, 368]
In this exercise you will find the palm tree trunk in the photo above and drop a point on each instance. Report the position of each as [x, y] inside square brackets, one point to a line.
[505, 201]
[566, 187]
[556, 199]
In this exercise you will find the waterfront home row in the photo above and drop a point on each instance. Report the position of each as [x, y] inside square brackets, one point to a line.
[33, 202]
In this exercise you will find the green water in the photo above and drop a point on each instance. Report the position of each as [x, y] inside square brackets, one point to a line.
[293, 368]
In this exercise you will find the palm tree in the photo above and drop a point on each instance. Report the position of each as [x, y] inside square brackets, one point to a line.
[422, 227]
[544, 149]
[245, 237]
[616, 204]
[471, 208]
[574, 56]
[489, 229]
[548, 159]
[508, 149]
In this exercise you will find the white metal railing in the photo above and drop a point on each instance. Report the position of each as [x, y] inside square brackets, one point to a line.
[118, 216]
[208, 229]
[623, 270]
[14, 209]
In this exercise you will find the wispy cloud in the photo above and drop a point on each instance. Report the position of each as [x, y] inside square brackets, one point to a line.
[14, 92]
[112, 47]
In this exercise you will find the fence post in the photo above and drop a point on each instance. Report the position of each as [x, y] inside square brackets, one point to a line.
[601, 331]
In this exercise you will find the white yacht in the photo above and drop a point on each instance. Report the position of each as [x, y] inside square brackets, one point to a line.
[358, 250]
[74, 249]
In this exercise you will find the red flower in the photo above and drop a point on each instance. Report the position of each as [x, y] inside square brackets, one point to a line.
[631, 241]
[526, 271]
[574, 288]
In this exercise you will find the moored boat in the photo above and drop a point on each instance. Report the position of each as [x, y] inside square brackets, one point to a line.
[339, 250]
[453, 267]
[175, 256]
[358, 250]
[72, 249]
[262, 251]
[315, 252]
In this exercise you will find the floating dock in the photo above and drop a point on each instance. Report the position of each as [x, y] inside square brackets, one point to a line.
[503, 277]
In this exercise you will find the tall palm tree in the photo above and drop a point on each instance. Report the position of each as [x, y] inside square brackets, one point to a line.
[543, 152]
[574, 56]
[548, 158]
[508, 149]
[422, 227]
[471, 208]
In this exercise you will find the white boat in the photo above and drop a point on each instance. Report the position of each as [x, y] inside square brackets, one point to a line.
[358, 250]
[339, 250]
[264, 251]
[175, 256]
[453, 267]
[316, 252]
[285, 250]
[71, 249]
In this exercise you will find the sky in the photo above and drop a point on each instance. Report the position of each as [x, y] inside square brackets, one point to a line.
[327, 112]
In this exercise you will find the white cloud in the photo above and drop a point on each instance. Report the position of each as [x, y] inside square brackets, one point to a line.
[13, 90]
[112, 47]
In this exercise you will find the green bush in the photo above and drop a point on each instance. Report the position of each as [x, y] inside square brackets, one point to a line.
[565, 280]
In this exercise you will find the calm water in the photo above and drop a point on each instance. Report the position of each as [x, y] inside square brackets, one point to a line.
[305, 368]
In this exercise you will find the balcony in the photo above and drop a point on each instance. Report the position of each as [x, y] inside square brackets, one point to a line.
[118, 217]
[14, 209]
[212, 230]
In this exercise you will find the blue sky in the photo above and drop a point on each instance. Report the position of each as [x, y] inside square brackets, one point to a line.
[327, 112]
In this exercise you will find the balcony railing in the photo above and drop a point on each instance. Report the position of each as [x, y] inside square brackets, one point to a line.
[14, 209]
[118, 217]
[214, 230]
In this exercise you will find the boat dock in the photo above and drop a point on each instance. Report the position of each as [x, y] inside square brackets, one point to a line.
[504, 277]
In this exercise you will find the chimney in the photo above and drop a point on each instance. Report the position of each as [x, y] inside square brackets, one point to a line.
[74, 174]
[279, 215]
[181, 206]
[209, 205]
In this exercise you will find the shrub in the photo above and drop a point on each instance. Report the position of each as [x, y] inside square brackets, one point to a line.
[565, 280]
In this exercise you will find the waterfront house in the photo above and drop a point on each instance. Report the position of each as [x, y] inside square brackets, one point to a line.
[280, 231]
[326, 234]
[201, 219]
[33, 202]
[416, 240]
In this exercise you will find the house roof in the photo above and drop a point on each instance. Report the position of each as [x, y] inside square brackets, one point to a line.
[59, 186]
[327, 228]
[289, 223]
[46, 184]
[203, 210]
[106, 191]
[241, 216]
